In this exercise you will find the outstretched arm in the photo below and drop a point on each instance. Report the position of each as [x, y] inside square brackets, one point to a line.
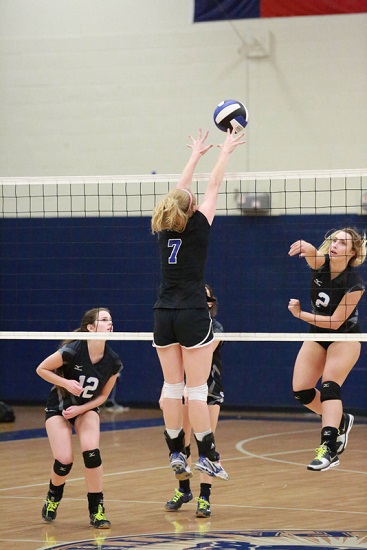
[209, 204]
[198, 149]
[303, 249]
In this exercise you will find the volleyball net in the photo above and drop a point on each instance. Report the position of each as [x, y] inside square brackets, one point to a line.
[256, 193]
[70, 244]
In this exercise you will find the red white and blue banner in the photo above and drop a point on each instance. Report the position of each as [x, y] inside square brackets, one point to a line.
[220, 10]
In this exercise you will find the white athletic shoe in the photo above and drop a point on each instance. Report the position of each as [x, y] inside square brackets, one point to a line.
[324, 459]
[179, 466]
[211, 467]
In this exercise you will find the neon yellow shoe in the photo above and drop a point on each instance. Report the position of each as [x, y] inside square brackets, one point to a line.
[203, 508]
[99, 520]
[49, 509]
[178, 500]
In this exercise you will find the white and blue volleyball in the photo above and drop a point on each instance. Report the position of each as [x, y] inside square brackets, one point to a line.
[231, 114]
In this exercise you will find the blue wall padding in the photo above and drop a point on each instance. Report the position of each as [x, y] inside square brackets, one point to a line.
[52, 270]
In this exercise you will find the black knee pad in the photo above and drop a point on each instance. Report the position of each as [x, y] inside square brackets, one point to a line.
[92, 459]
[62, 469]
[305, 396]
[330, 390]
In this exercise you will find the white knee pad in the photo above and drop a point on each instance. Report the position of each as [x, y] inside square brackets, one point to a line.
[197, 393]
[173, 391]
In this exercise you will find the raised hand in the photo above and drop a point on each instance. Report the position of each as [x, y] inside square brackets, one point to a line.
[302, 248]
[231, 141]
[294, 307]
[198, 145]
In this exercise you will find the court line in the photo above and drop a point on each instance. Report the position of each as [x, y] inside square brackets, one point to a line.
[268, 456]
[217, 505]
[238, 446]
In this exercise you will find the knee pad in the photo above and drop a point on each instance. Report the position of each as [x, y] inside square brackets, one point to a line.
[173, 391]
[92, 459]
[305, 396]
[330, 390]
[198, 393]
[61, 469]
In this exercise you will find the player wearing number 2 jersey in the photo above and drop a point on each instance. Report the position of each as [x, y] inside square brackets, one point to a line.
[182, 325]
[83, 373]
[336, 289]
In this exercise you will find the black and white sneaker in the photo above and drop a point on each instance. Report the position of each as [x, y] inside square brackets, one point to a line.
[180, 466]
[344, 429]
[212, 468]
[324, 459]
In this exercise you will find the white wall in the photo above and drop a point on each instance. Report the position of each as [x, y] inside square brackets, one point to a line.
[92, 87]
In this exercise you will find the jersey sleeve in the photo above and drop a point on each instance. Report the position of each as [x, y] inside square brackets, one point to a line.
[355, 283]
[68, 352]
[118, 366]
[117, 363]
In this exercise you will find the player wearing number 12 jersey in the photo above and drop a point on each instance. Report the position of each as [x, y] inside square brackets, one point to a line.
[83, 373]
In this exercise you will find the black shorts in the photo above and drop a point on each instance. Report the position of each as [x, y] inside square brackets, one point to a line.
[54, 412]
[325, 344]
[191, 328]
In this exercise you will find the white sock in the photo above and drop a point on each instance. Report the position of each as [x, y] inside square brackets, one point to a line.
[173, 433]
[200, 436]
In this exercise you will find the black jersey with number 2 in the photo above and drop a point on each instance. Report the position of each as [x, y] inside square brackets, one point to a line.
[183, 256]
[78, 366]
[326, 294]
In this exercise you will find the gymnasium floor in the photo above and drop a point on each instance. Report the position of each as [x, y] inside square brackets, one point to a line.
[270, 501]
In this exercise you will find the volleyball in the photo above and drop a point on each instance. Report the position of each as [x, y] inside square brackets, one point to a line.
[231, 114]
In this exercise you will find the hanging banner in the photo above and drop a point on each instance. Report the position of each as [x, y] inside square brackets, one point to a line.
[221, 10]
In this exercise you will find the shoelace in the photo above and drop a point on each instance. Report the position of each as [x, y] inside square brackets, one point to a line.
[321, 451]
[203, 504]
[52, 505]
[177, 496]
[100, 514]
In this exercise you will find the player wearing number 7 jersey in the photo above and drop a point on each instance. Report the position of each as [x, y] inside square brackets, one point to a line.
[183, 331]
[83, 373]
[336, 289]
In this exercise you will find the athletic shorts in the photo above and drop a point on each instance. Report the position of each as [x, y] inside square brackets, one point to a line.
[325, 344]
[191, 328]
[53, 412]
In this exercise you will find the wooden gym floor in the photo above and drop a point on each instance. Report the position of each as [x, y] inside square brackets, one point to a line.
[270, 501]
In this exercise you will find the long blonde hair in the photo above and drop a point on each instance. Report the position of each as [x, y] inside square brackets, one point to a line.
[358, 245]
[173, 211]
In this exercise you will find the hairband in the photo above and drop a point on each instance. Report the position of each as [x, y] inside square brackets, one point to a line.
[190, 195]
